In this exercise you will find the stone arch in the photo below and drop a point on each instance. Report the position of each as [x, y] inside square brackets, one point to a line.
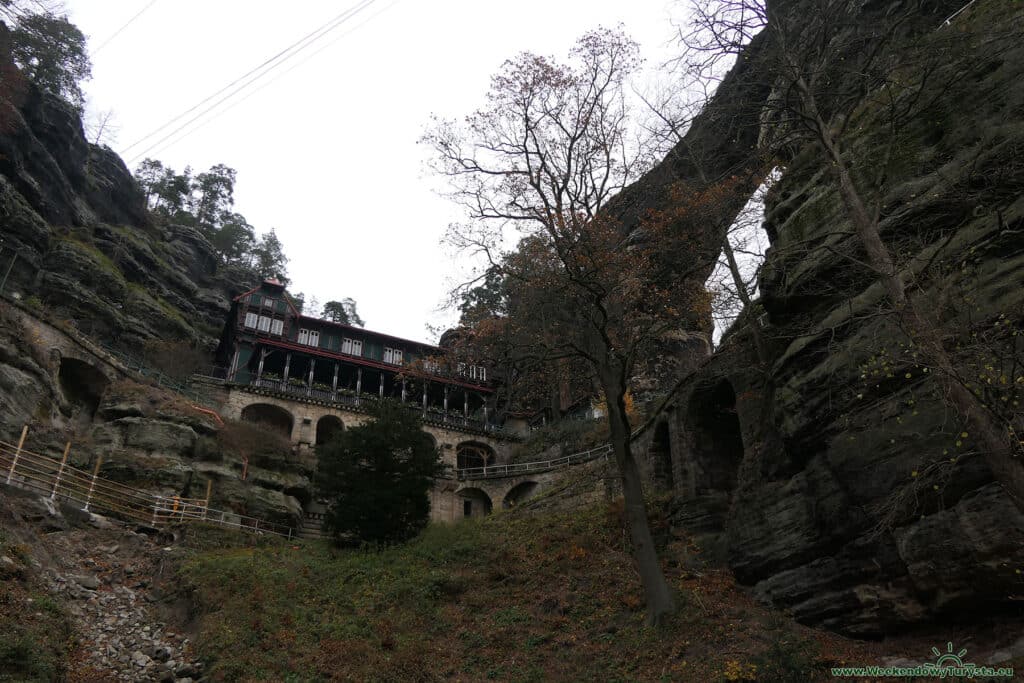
[473, 454]
[327, 427]
[522, 491]
[717, 441]
[83, 385]
[270, 416]
[660, 456]
[475, 502]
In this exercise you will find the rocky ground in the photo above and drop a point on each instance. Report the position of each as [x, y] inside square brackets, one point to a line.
[108, 579]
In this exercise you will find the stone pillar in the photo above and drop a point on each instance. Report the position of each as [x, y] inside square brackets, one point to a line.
[403, 390]
[287, 368]
[309, 381]
[380, 385]
[359, 383]
[334, 384]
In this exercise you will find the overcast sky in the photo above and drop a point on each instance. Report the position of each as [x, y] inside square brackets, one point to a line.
[325, 146]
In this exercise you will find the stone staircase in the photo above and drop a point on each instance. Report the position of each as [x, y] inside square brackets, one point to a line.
[313, 522]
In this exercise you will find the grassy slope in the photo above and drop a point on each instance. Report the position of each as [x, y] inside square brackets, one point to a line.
[511, 597]
[35, 635]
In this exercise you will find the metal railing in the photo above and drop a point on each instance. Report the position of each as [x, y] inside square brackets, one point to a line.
[57, 480]
[519, 468]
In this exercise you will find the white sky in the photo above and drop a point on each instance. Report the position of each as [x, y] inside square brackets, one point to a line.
[326, 154]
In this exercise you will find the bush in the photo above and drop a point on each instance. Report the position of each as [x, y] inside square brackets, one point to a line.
[376, 477]
[176, 358]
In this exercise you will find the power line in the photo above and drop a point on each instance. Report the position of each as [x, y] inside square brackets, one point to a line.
[123, 27]
[272, 80]
[265, 67]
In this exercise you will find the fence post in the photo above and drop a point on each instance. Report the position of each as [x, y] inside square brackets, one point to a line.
[209, 490]
[156, 509]
[60, 470]
[92, 484]
[21, 442]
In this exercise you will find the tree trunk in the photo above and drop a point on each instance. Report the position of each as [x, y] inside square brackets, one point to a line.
[995, 442]
[657, 594]
[741, 292]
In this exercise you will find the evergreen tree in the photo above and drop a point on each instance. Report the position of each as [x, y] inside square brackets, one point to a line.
[376, 477]
[343, 311]
[51, 52]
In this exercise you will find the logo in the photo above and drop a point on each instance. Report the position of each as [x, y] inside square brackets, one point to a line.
[948, 664]
[948, 660]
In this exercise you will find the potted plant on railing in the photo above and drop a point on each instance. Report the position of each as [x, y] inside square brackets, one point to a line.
[320, 386]
[297, 382]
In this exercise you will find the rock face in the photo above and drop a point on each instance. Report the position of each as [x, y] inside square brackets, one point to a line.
[85, 245]
[857, 499]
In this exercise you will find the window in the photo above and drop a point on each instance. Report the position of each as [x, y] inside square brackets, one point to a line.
[277, 326]
[431, 366]
[462, 369]
[393, 356]
[264, 324]
[309, 337]
[268, 303]
[250, 320]
[481, 373]
[353, 347]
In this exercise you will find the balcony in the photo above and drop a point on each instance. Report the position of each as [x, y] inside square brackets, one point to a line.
[361, 403]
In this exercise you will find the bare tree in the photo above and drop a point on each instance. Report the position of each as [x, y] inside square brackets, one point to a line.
[534, 171]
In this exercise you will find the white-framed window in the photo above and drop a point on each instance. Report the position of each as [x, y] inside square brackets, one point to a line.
[431, 366]
[353, 347]
[250, 320]
[481, 373]
[264, 324]
[309, 337]
[276, 326]
[462, 369]
[393, 356]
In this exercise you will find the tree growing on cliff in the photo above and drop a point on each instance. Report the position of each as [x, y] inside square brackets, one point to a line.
[376, 477]
[51, 52]
[834, 67]
[541, 161]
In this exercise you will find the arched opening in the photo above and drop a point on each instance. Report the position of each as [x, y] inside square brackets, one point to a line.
[717, 440]
[83, 386]
[660, 456]
[473, 454]
[269, 416]
[328, 427]
[519, 493]
[475, 503]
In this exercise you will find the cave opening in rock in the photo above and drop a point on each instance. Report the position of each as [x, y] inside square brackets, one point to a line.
[83, 385]
[660, 455]
[268, 416]
[717, 439]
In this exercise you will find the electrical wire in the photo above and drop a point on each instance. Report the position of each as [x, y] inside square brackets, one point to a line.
[274, 79]
[126, 24]
[260, 70]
